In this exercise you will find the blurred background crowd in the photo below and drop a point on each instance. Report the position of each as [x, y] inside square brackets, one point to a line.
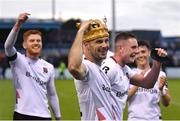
[149, 20]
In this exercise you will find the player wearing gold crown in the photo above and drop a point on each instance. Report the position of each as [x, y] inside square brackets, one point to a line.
[120, 75]
[84, 95]
[92, 41]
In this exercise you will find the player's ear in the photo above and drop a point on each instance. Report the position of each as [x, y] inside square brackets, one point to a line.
[24, 45]
[121, 49]
[85, 44]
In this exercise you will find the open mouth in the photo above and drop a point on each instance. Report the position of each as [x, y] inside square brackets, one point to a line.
[35, 47]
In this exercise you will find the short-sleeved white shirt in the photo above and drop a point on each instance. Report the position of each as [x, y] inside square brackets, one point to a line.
[119, 78]
[85, 97]
[144, 104]
[30, 81]
[96, 85]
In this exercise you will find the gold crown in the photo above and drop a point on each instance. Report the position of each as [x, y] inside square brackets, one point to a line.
[96, 30]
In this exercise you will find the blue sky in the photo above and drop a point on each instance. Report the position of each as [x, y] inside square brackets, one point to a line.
[161, 15]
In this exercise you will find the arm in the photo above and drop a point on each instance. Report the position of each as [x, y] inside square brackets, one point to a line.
[149, 80]
[165, 95]
[75, 66]
[132, 90]
[166, 98]
[53, 98]
[12, 37]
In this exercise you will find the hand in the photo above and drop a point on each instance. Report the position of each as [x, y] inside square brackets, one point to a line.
[159, 54]
[22, 18]
[162, 82]
[85, 25]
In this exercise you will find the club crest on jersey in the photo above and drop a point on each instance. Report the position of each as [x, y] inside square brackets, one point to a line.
[45, 70]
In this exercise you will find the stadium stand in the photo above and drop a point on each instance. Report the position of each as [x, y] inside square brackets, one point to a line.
[58, 37]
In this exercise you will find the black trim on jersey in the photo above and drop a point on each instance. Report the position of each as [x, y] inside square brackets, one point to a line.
[12, 57]
[113, 59]
[18, 116]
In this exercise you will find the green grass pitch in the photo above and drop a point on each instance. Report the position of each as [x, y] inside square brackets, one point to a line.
[69, 104]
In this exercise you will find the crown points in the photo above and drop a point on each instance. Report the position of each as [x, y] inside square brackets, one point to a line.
[96, 30]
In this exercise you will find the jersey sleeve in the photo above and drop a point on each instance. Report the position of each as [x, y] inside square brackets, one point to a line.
[108, 67]
[87, 70]
[52, 95]
[10, 50]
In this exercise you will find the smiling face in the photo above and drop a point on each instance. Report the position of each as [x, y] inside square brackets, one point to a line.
[125, 48]
[33, 45]
[142, 57]
[97, 49]
[129, 50]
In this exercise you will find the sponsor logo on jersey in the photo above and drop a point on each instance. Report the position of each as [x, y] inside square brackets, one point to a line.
[37, 79]
[151, 91]
[108, 89]
[121, 94]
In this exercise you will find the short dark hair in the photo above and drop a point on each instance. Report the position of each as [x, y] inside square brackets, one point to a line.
[29, 32]
[124, 36]
[144, 43]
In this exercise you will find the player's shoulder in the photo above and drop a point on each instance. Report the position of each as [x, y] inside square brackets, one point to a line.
[88, 63]
[109, 66]
[109, 53]
[110, 62]
[44, 62]
[18, 56]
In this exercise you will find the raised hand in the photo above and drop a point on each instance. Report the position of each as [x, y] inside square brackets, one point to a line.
[22, 18]
[159, 54]
[85, 25]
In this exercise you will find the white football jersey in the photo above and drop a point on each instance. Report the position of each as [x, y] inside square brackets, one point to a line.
[30, 81]
[119, 79]
[109, 54]
[144, 104]
[96, 101]
[85, 97]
